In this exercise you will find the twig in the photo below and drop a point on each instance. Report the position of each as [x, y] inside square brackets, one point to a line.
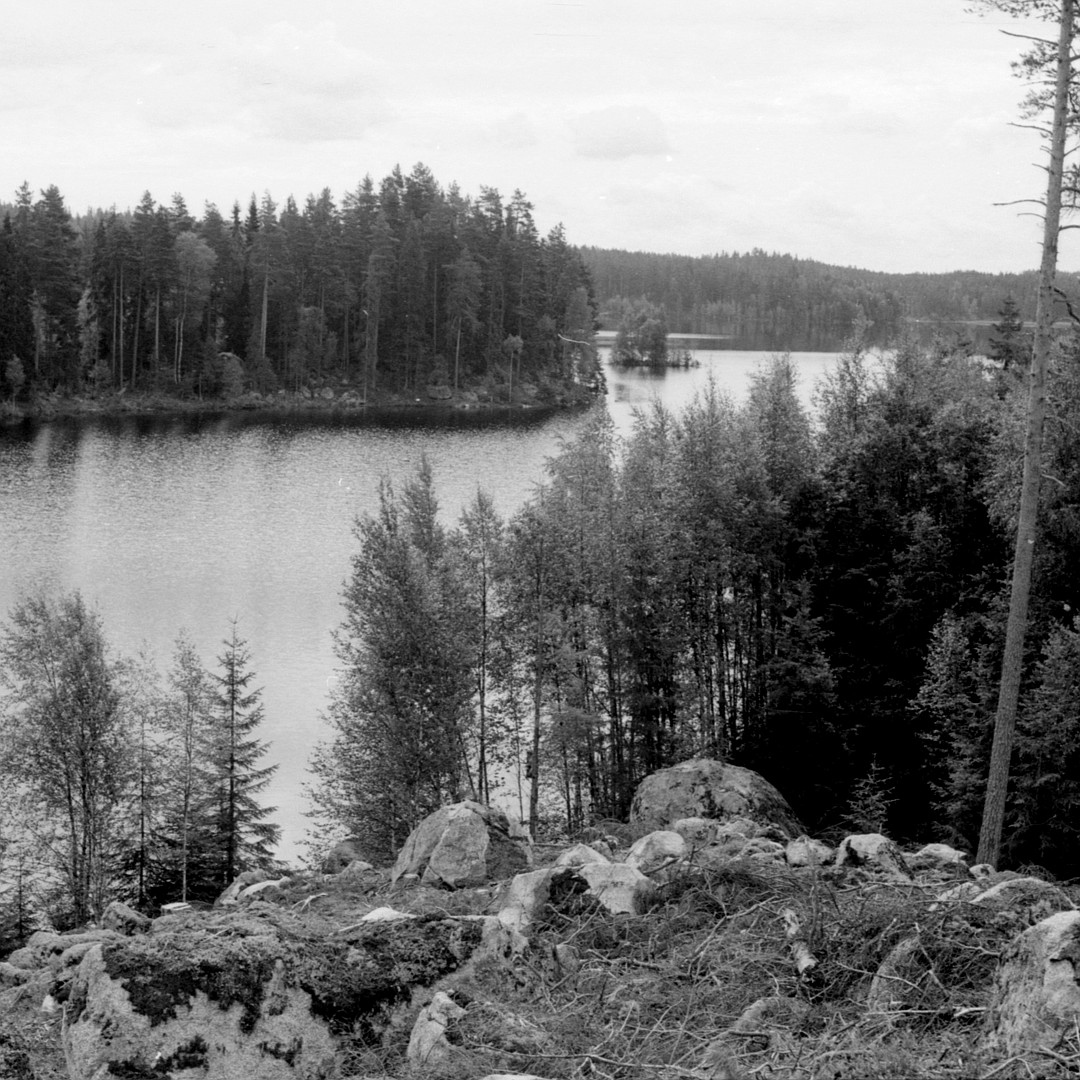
[805, 960]
[1001, 1067]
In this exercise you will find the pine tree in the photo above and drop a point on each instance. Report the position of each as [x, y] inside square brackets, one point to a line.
[244, 838]
[54, 264]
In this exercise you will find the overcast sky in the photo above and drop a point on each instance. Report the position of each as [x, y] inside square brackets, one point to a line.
[871, 133]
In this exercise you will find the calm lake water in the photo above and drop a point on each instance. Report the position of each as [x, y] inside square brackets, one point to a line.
[171, 523]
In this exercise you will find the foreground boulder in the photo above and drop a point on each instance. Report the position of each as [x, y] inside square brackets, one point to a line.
[941, 857]
[1026, 900]
[1036, 999]
[124, 920]
[714, 790]
[805, 851]
[231, 896]
[874, 853]
[251, 994]
[462, 846]
[616, 887]
[342, 854]
[428, 1043]
[657, 851]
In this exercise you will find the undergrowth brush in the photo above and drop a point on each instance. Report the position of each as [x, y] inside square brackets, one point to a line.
[703, 985]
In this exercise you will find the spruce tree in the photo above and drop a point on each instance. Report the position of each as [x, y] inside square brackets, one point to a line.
[1009, 344]
[244, 838]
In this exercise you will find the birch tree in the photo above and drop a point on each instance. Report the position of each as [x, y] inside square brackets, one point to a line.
[65, 739]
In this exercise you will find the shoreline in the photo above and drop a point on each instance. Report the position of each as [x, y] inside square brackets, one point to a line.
[62, 407]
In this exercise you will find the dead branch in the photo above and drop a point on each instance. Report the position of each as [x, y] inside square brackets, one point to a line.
[805, 960]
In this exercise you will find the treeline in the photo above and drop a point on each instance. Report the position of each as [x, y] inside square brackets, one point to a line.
[404, 284]
[775, 301]
[118, 782]
[824, 604]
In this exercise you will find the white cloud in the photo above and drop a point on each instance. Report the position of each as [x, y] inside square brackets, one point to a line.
[619, 131]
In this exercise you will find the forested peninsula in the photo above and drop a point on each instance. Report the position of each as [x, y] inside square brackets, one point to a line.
[405, 292]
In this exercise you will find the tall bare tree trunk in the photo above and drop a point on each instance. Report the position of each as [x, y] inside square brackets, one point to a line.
[1011, 664]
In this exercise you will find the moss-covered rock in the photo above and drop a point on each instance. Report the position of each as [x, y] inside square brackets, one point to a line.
[268, 995]
[714, 790]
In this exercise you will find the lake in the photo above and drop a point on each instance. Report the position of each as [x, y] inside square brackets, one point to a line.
[173, 522]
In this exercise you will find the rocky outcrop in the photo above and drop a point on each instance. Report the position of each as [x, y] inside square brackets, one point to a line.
[124, 920]
[428, 1044]
[621, 889]
[297, 976]
[231, 896]
[805, 851]
[874, 853]
[1024, 899]
[696, 831]
[254, 993]
[715, 790]
[341, 855]
[614, 887]
[580, 854]
[463, 845]
[938, 857]
[657, 851]
[1036, 1000]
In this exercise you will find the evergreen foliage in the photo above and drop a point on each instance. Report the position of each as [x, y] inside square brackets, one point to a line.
[243, 838]
[117, 787]
[403, 284]
[823, 603]
[774, 300]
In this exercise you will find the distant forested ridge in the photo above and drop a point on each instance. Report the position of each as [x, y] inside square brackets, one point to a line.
[773, 301]
[403, 285]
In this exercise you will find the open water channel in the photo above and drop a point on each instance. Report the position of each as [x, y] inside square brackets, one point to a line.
[166, 523]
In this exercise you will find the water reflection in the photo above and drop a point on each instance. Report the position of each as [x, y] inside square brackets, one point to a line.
[170, 522]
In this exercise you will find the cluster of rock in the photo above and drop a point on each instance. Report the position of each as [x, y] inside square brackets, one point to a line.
[261, 990]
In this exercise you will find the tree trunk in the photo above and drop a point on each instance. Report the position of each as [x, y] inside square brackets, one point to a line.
[1012, 661]
[263, 320]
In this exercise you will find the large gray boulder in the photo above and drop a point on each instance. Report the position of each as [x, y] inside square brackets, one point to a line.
[616, 887]
[464, 845]
[252, 993]
[124, 920]
[711, 789]
[341, 855]
[1036, 1000]
[874, 853]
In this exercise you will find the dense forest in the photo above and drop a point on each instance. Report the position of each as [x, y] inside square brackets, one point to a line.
[767, 300]
[821, 600]
[405, 285]
[824, 603]
[402, 287]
